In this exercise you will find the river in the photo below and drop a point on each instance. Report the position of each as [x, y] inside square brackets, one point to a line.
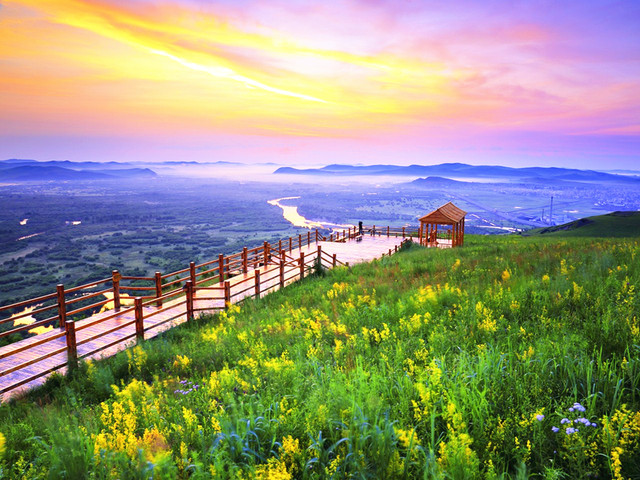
[291, 215]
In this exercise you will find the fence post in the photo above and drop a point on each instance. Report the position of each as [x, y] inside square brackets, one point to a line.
[227, 294]
[62, 306]
[244, 260]
[335, 260]
[257, 277]
[188, 288]
[115, 280]
[316, 235]
[301, 265]
[221, 268]
[192, 272]
[289, 244]
[300, 240]
[388, 228]
[279, 245]
[309, 237]
[403, 235]
[281, 268]
[373, 231]
[137, 302]
[331, 237]
[266, 253]
[320, 255]
[158, 289]
[72, 350]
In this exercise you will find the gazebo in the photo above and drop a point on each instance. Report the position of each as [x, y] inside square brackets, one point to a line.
[451, 233]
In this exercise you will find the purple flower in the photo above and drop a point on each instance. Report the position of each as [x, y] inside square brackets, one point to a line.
[578, 407]
[571, 430]
[555, 429]
[594, 424]
[571, 409]
[539, 417]
[565, 420]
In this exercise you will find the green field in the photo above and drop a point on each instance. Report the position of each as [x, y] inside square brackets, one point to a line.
[508, 358]
[616, 224]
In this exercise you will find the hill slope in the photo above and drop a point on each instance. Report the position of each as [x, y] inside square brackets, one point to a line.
[615, 224]
[465, 363]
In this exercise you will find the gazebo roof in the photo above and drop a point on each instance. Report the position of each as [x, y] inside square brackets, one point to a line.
[447, 214]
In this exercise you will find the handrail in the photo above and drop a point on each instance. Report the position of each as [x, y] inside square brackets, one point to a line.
[88, 285]
[41, 299]
[27, 314]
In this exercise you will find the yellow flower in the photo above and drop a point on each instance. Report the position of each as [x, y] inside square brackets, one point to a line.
[406, 438]
[181, 362]
[215, 425]
[274, 469]
[506, 275]
[154, 444]
[545, 278]
[3, 441]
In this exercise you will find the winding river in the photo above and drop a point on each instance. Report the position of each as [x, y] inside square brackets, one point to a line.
[291, 215]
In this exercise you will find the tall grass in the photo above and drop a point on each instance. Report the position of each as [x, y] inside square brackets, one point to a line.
[508, 358]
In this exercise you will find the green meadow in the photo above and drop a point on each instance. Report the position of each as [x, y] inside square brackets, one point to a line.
[508, 358]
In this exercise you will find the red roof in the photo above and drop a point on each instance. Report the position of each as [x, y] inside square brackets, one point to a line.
[446, 214]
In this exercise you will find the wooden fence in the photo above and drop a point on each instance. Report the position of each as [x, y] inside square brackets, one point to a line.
[163, 298]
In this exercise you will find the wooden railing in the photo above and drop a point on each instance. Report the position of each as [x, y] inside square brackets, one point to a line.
[198, 288]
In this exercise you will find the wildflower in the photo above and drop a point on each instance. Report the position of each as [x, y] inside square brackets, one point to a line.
[2, 444]
[545, 278]
[555, 429]
[565, 420]
[539, 417]
[181, 362]
[571, 430]
[506, 275]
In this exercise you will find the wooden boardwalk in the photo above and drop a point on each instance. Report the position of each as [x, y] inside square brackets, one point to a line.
[28, 362]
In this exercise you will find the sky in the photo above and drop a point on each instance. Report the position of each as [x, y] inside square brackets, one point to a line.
[293, 82]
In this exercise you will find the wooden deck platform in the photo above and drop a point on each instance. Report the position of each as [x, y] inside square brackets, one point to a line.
[43, 354]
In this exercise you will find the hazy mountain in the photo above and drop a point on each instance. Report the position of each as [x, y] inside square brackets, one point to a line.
[434, 181]
[462, 170]
[15, 162]
[31, 172]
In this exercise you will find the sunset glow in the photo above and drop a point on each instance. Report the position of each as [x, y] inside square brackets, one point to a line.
[321, 82]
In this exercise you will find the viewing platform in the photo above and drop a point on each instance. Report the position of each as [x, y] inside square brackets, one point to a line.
[80, 326]
[165, 301]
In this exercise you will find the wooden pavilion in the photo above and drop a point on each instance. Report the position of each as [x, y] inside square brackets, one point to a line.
[451, 234]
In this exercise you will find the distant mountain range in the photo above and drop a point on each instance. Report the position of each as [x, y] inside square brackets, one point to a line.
[447, 171]
[17, 170]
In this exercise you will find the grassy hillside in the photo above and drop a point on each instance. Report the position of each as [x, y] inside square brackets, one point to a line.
[615, 224]
[508, 358]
